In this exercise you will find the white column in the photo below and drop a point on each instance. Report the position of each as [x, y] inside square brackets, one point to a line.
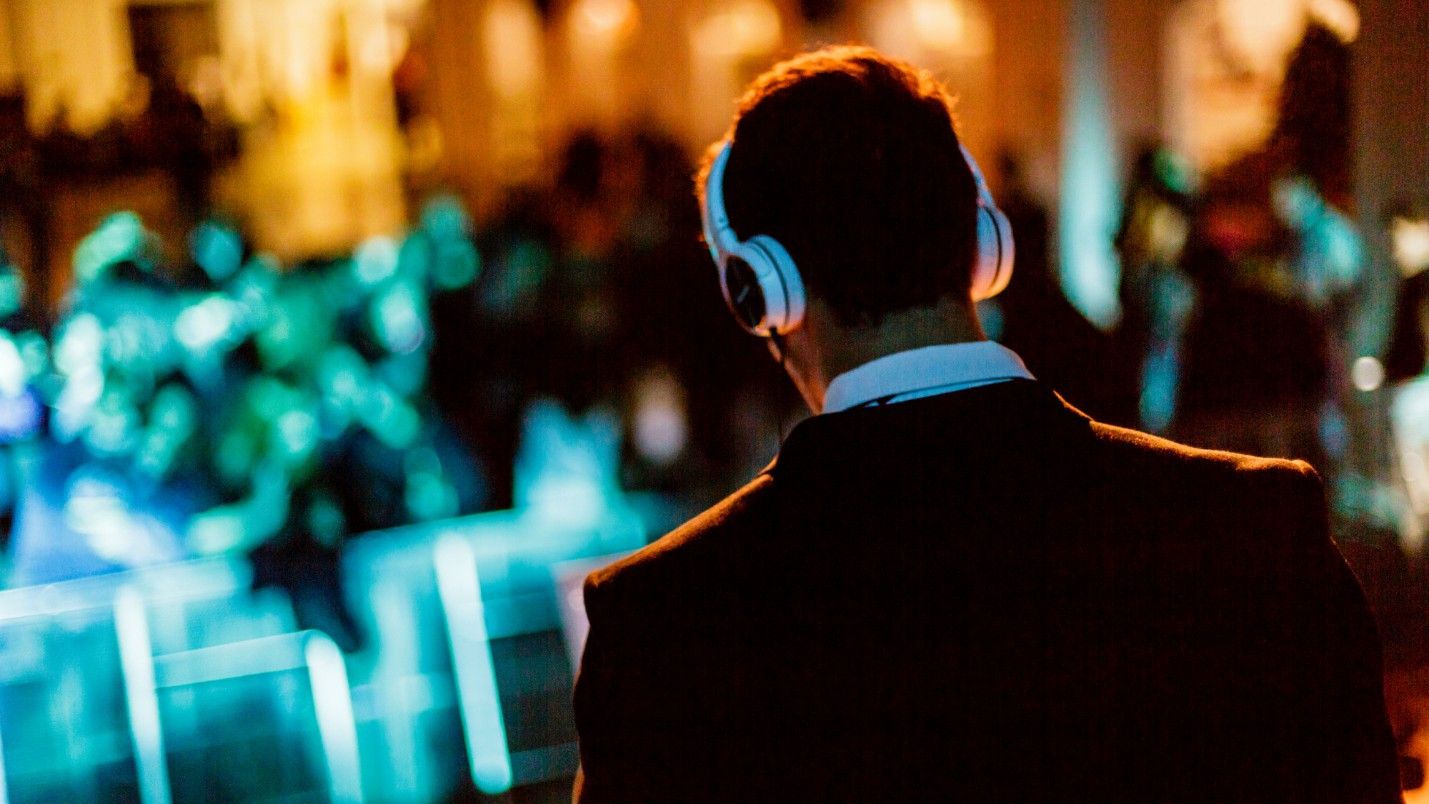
[1089, 191]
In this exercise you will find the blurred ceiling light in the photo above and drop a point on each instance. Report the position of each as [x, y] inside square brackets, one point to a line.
[927, 32]
[660, 428]
[1261, 32]
[1340, 16]
[513, 46]
[381, 47]
[1410, 240]
[1264, 31]
[941, 24]
[745, 28]
[608, 22]
[206, 80]
[1367, 373]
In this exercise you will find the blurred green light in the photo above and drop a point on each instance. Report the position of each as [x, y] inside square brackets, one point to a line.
[13, 375]
[428, 495]
[394, 422]
[325, 520]
[1173, 173]
[456, 266]
[398, 318]
[414, 257]
[12, 291]
[298, 432]
[201, 326]
[35, 351]
[341, 372]
[113, 424]
[174, 409]
[79, 344]
[217, 249]
[120, 237]
[375, 260]
[444, 218]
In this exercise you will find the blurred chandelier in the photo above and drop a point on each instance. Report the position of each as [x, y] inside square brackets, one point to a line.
[1261, 32]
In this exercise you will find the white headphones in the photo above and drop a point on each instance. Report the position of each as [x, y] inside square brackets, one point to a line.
[763, 288]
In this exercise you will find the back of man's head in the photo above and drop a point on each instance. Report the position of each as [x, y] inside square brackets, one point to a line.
[850, 159]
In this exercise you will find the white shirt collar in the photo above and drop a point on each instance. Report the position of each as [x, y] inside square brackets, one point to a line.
[922, 372]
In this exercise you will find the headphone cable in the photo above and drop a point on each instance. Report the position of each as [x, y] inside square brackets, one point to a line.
[780, 413]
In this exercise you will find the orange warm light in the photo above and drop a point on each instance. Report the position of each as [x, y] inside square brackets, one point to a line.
[605, 21]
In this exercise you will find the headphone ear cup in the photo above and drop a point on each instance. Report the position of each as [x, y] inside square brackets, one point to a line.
[993, 268]
[782, 283]
[744, 293]
[995, 253]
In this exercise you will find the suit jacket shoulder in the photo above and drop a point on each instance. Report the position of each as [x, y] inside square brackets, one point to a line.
[988, 596]
[648, 578]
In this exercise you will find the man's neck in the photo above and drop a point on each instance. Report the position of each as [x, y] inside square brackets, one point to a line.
[899, 332]
[822, 349]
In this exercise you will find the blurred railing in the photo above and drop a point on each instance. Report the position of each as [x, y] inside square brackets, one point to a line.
[183, 683]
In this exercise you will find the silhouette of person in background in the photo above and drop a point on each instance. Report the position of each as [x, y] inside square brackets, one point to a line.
[1275, 263]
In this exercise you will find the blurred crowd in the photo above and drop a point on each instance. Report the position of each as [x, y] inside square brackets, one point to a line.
[199, 398]
[1248, 322]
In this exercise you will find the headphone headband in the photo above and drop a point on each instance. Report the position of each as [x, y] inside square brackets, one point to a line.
[719, 236]
[763, 287]
[760, 283]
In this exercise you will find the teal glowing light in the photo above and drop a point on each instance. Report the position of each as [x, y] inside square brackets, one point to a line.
[375, 260]
[298, 433]
[135, 340]
[217, 532]
[444, 218]
[141, 696]
[429, 495]
[1173, 173]
[342, 378]
[1089, 197]
[248, 522]
[173, 417]
[325, 520]
[459, 587]
[299, 323]
[80, 344]
[398, 317]
[456, 265]
[446, 247]
[120, 237]
[34, 350]
[389, 417]
[414, 257]
[567, 468]
[217, 249]
[113, 423]
[337, 726]
[404, 374]
[12, 290]
[204, 325]
[13, 373]
[235, 455]
[80, 391]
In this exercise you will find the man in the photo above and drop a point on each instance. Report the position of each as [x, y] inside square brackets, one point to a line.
[950, 584]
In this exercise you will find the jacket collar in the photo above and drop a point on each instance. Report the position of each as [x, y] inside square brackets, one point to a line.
[926, 371]
[987, 414]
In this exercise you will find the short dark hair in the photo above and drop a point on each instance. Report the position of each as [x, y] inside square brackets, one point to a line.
[850, 159]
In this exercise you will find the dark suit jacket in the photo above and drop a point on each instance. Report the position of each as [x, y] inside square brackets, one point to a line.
[986, 596]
